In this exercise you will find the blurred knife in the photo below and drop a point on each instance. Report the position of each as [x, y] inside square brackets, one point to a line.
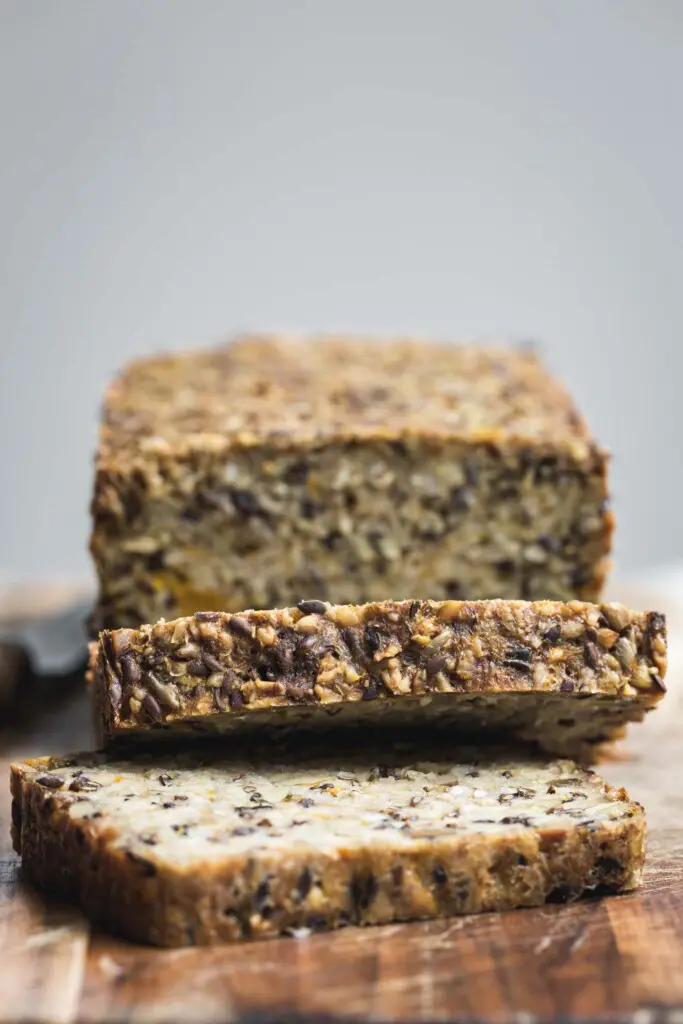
[41, 656]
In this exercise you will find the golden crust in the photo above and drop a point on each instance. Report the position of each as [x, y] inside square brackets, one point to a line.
[294, 391]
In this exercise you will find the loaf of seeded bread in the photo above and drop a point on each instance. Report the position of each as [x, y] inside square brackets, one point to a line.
[175, 852]
[248, 476]
[565, 675]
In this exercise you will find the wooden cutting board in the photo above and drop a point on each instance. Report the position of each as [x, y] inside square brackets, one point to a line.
[617, 959]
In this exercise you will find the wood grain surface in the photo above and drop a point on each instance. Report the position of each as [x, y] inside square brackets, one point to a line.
[616, 959]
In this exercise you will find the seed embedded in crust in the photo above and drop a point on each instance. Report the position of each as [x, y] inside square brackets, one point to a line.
[198, 668]
[240, 626]
[130, 670]
[212, 663]
[236, 700]
[625, 652]
[83, 784]
[304, 883]
[312, 607]
[435, 664]
[618, 616]
[152, 708]
[50, 781]
[115, 692]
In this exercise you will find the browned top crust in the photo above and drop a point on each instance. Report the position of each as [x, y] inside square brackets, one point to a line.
[227, 667]
[294, 391]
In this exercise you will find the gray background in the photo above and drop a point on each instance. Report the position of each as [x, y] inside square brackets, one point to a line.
[174, 171]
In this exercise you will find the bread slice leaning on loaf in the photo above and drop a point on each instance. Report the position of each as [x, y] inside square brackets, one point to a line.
[566, 675]
[178, 851]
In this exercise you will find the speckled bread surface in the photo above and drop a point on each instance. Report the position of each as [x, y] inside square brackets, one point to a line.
[565, 675]
[248, 475]
[175, 851]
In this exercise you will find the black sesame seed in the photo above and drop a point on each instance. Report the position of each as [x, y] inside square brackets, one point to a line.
[304, 883]
[207, 616]
[553, 634]
[439, 875]
[212, 663]
[130, 670]
[307, 802]
[262, 893]
[373, 639]
[236, 700]
[518, 657]
[567, 685]
[152, 708]
[198, 668]
[50, 781]
[435, 664]
[239, 625]
[516, 819]
[352, 641]
[309, 508]
[372, 690]
[551, 544]
[591, 654]
[363, 890]
[84, 785]
[165, 779]
[312, 607]
[245, 502]
[297, 473]
[331, 540]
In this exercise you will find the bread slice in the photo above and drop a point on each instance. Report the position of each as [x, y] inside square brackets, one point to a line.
[568, 676]
[178, 851]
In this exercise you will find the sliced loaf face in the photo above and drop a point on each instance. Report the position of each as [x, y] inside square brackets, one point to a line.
[567, 676]
[248, 475]
[180, 851]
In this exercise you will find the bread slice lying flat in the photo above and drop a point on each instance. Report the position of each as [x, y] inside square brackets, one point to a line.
[568, 676]
[178, 851]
